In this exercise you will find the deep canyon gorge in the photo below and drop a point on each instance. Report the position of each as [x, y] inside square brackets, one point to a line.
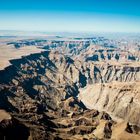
[71, 90]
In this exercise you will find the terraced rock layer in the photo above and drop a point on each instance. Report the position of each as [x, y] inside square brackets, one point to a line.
[50, 93]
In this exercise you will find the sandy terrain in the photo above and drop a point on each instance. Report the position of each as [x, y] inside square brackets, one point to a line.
[9, 52]
[4, 115]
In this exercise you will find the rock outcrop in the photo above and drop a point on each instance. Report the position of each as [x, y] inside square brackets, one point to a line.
[86, 95]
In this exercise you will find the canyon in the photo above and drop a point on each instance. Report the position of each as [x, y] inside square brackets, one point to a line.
[70, 89]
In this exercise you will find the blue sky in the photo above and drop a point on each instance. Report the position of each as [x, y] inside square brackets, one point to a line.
[70, 15]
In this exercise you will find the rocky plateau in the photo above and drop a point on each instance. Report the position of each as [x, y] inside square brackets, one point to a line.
[71, 90]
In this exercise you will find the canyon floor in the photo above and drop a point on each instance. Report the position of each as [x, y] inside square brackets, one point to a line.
[69, 89]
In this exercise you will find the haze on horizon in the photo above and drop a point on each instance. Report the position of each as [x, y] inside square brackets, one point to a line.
[70, 16]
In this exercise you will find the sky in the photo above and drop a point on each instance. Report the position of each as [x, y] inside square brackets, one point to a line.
[70, 15]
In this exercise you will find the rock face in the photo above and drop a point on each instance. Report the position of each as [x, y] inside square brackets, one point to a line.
[11, 128]
[120, 99]
[87, 95]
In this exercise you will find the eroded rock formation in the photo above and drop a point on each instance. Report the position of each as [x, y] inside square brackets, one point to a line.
[92, 94]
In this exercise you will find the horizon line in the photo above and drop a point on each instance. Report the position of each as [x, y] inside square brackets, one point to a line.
[66, 31]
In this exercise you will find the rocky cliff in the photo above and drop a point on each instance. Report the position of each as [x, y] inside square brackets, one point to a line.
[84, 96]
